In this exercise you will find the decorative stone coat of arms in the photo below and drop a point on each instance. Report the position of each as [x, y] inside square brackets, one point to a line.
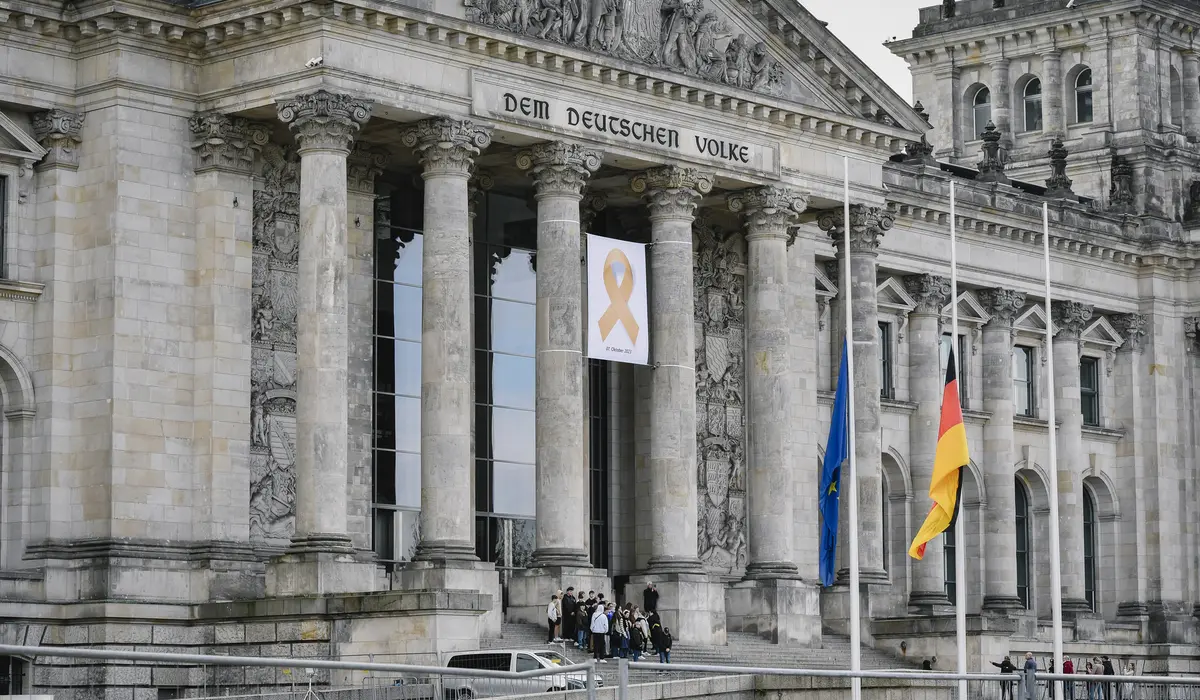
[273, 354]
[720, 397]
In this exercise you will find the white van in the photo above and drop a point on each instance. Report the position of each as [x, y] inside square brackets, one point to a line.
[463, 688]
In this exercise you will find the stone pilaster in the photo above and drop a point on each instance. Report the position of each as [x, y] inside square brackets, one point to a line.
[447, 148]
[1001, 102]
[1053, 122]
[1070, 317]
[691, 603]
[1131, 472]
[559, 172]
[867, 226]
[999, 537]
[226, 148]
[321, 559]
[58, 132]
[1191, 95]
[926, 384]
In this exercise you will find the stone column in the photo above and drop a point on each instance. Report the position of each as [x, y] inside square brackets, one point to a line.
[999, 537]
[691, 603]
[867, 226]
[1131, 468]
[1001, 104]
[447, 148]
[1052, 99]
[321, 559]
[1070, 317]
[769, 211]
[559, 172]
[1191, 95]
[926, 386]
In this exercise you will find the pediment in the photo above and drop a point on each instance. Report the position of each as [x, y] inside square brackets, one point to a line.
[1101, 332]
[970, 311]
[1032, 320]
[779, 51]
[891, 295]
[15, 142]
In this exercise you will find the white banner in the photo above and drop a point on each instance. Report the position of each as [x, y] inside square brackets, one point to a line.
[618, 317]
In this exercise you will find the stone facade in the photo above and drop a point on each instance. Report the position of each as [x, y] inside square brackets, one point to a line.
[214, 417]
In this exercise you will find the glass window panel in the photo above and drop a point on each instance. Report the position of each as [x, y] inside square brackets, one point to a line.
[483, 486]
[385, 310]
[1083, 106]
[407, 423]
[513, 381]
[512, 435]
[1020, 368]
[385, 257]
[483, 322]
[484, 545]
[514, 328]
[385, 422]
[483, 431]
[385, 365]
[408, 368]
[407, 533]
[385, 477]
[483, 377]
[408, 480]
[482, 270]
[407, 316]
[515, 279]
[408, 260]
[384, 534]
[513, 489]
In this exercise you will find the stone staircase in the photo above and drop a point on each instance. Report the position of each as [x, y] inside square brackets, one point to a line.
[742, 650]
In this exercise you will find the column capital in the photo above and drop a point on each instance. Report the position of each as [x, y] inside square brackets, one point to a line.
[57, 130]
[593, 203]
[931, 293]
[867, 226]
[481, 181]
[672, 192]
[559, 168]
[1071, 317]
[363, 165]
[222, 142]
[324, 120]
[1053, 54]
[447, 146]
[1133, 328]
[769, 210]
[1002, 305]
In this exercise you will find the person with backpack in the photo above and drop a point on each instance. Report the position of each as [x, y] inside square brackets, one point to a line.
[661, 637]
[552, 619]
[599, 629]
[637, 638]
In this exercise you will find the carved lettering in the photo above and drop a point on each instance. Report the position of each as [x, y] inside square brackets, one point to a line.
[527, 106]
[725, 150]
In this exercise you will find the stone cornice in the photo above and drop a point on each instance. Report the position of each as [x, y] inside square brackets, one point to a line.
[246, 21]
[21, 291]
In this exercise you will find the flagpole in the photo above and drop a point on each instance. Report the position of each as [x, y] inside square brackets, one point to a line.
[852, 510]
[1052, 476]
[960, 538]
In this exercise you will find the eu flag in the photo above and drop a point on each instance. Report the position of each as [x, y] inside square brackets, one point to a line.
[837, 450]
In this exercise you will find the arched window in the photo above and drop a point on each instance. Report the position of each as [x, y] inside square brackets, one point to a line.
[1176, 98]
[1022, 512]
[1083, 96]
[1031, 98]
[1089, 547]
[981, 111]
[883, 500]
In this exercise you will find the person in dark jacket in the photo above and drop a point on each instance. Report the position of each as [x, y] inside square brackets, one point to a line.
[654, 621]
[1006, 667]
[650, 598]
[568, 615]
[1109, 671]
[1029, 670]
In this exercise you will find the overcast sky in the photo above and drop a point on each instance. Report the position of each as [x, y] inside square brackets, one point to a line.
[863, 25]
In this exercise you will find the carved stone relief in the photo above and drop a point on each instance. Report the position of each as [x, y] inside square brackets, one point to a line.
[676, 34]
[273, 354]
[720, 398]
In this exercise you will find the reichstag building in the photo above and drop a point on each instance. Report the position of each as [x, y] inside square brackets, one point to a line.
[293, 307]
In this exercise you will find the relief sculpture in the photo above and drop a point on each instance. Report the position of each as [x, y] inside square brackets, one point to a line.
[720, 399]
[273, 354]
[674, 34]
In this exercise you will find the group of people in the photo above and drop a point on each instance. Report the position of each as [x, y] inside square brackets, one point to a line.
[591, 623]
[1096, 690]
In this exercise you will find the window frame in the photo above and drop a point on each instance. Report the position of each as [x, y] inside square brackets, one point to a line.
[887, 388]
[1176, 107]
[1030, 388]
[1029, 102]
[985, 92]
[1090, 396]
[1082, 90]
[1090, 544]
[1022, 521]
[949, 563]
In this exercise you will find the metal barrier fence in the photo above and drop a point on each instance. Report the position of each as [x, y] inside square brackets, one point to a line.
[84, 674]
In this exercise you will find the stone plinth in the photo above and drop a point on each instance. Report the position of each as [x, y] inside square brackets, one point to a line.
[780, 610]
[529, 591]
[453, 578]
[691, 605]
[318, 573]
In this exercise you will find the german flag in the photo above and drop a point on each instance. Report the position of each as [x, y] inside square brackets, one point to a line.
[948, 463]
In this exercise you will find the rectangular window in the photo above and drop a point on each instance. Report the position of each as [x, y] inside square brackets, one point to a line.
[3, 222]
[1023, 381]
[885, 360]
[961, 353]
[1089, 390]
[951, 567]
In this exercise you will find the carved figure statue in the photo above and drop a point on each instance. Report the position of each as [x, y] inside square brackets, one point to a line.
[264, 319]
[258, 421]
[710, 61]
[678, 48]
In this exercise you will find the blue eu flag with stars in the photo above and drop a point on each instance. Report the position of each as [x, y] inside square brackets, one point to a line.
[837, 450]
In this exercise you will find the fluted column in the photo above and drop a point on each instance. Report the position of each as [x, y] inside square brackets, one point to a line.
[1053, 123]
[1191, 94]
[324, 125]
[1070, 317]
[867, 226]
[769, 211]
[672, 194]
[925, 388]
[447, 148]
[1000, 536]
[1001, 104]
[559, 172]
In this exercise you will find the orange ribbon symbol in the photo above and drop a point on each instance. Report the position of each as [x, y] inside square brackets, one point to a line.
[619, 295]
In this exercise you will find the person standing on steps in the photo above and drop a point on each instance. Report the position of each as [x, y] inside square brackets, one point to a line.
[551, 619]
[567, 619]
[1030, 679]
[583, 618]
[650, 598]
[600, 633]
